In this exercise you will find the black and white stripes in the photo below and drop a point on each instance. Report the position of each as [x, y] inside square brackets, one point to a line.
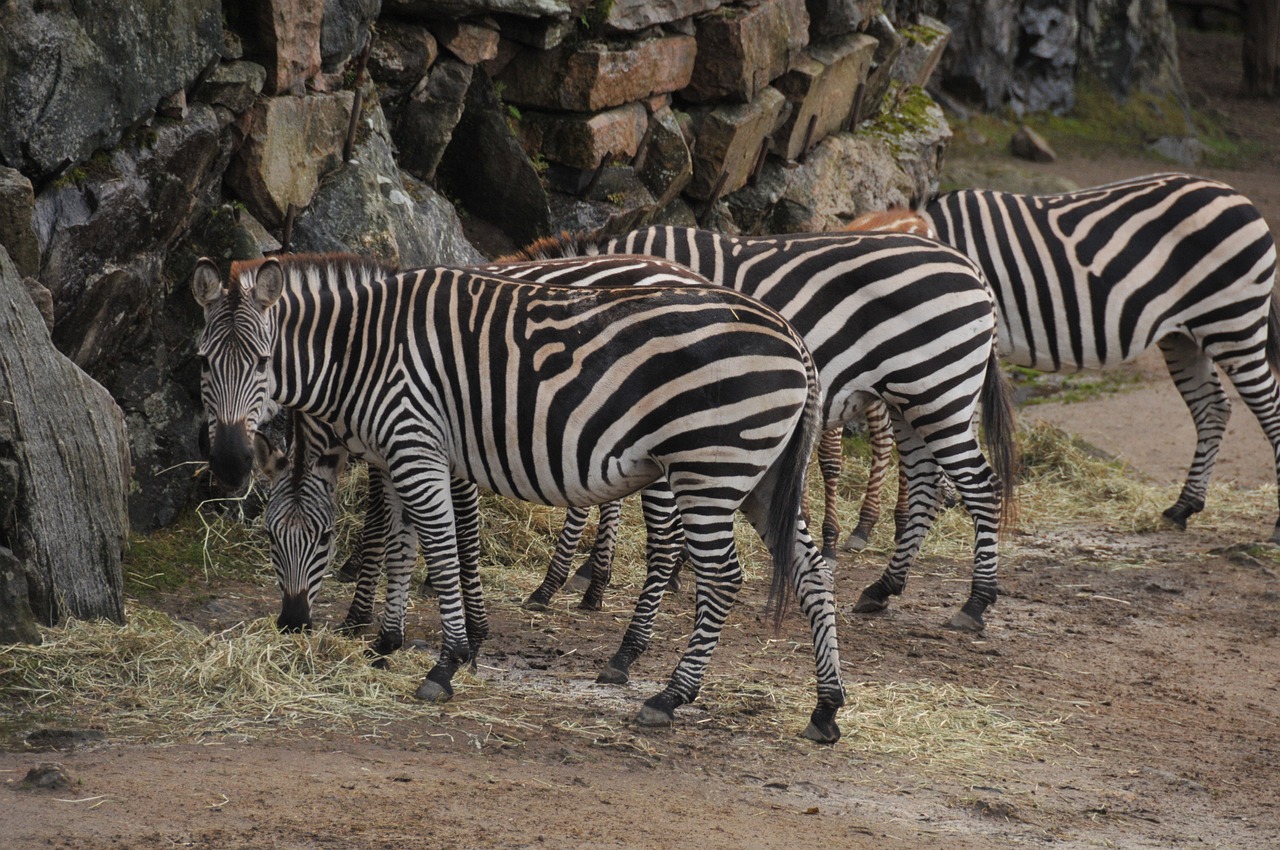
[1091, 279]
[551, 394]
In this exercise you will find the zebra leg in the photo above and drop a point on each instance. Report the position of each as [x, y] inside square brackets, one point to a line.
[1197, 380]
[717, 579]
[372, 555]
[400, 556]
[424, 488]
[662, 549]
[830, 461]
[1254, 379]
[919, 470]
[812, 584]
[466, 512]
[979, 488]
[600, 563]
[880, 433]
[575, 521]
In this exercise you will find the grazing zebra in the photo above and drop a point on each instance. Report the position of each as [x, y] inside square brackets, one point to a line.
[1092, 278]
[558, 395]
[890, 317]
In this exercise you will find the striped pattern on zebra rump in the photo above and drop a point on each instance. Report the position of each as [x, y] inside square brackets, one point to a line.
[552, 394]
[893, 317]
[1091, 279]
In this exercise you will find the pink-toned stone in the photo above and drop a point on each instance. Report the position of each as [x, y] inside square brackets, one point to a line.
[286, 43]
[471, 42]
[821, 89]
[289, 143]
[728, 142]
[596, 76]
[582, 141]
[742, 49]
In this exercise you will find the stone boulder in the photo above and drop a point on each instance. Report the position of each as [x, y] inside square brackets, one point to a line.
[424, 124]
[344, 29]
[17, 212]
[107, 233]
[583, 140]
[282, 36]
[65, 461]
[115, 60]
[832, 18]
[488, 171]
[367, 206]
[629, 16]
[597, 75]
[741, 49]
[289, 143]
[821, 89]
[730, 139]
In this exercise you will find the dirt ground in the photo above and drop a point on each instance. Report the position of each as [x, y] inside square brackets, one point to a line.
[1145, 664]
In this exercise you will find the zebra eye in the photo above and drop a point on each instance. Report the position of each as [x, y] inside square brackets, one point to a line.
[262, 363]
[204, 362]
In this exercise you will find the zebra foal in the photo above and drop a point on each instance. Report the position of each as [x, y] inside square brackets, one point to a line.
[1092, 278]
[558, 395]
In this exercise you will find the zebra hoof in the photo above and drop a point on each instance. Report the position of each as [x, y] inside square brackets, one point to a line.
[822, 728]
[430, 691]
[654, 718]
[428, 591]
[579, 582]
[963, 622]
[869, 603]
[591, 604]
[829, 553]
[856, 541]
[382, 662]
[612, 676]
[532, 604]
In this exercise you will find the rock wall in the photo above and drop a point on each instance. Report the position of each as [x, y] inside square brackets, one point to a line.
[137, 137]
[1028, 54]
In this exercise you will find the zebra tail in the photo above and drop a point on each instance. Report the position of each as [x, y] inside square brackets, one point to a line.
[1000, 430]
[791, 471]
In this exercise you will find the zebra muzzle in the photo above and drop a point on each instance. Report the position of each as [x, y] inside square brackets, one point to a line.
[295, 613]
[231, 454]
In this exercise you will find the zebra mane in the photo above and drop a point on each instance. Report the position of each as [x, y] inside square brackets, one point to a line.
[564, 245]
[297, 442]
[296, 264]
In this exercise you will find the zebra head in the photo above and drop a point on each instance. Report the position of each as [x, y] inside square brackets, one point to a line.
[235, 353]
[299, 522]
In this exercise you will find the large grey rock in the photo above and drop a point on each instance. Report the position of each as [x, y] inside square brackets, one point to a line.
[487, 170]
[17, 621]
[107, 236]
[369, 207]
[76, 75]
[1044, 72]
[635, 15]
[666, 165]
[99, 232]
[836, 17]
[344, 30]
[821, 89]
[729, 140]
[401, 54]
[424, 125]
[888, 162]
[233, 85]
[17, 211]
[63, 440]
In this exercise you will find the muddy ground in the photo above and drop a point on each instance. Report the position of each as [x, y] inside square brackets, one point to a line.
[1137, 672]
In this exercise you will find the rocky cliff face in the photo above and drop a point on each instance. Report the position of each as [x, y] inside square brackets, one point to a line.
[138, 136]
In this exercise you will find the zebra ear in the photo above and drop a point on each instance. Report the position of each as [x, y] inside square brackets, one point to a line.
[268, 284]
[206, 283]
[269, 459]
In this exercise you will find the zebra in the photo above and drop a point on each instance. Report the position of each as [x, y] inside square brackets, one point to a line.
[830, 464]
[385, 541]
[1092, 278]
[552, 394]
[891, 317]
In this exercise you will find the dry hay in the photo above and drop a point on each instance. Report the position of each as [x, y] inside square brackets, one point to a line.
[157, 679]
